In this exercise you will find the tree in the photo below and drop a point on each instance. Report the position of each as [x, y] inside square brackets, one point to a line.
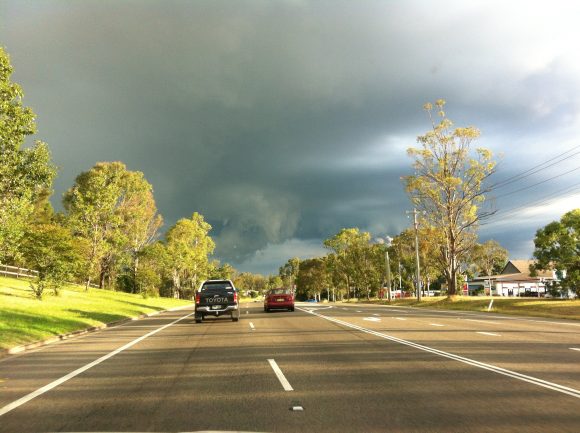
[24, 173]
[51, 250]
[557, 247]
[347, 245]
[114, 210]
[312, 278]
[289, 271]
[188, 246]
[489, 258]
[448, 185]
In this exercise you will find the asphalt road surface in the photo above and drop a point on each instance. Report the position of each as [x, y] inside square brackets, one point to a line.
[322, 368]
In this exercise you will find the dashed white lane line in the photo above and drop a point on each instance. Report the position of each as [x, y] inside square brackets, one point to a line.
[575, 348]
[358, 311]
[503, 371]
[372, 319]
[489, 333]
[285, 384]
[4, 410]
[252, 326]
[375, 314]
[400, 318]
[435, 324]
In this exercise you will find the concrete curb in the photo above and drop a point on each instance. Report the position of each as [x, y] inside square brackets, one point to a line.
[73, 334]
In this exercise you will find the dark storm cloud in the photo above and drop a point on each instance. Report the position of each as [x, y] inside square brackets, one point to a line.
[282, 122]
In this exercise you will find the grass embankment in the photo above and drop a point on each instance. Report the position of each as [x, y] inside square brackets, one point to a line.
[23, 319]
[553, 308]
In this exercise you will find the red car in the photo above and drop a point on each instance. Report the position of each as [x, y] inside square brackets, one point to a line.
[279, 299]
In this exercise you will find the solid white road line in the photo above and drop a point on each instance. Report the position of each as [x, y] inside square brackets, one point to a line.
[575, 348]
[435, 324]
[252, 326]
[513, 374]
[489, 333]
[483, 321]
[285, 384]
[78, 371]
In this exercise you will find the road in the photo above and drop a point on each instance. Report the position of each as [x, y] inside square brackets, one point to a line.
[342, 368]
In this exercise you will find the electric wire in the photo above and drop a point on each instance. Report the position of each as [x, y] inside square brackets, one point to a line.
[537, 168]
[538, 183]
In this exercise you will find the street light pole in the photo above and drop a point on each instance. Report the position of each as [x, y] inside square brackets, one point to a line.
[389, 296]
[416, 224]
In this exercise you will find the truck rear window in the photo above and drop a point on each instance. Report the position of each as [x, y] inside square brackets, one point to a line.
[218, 285]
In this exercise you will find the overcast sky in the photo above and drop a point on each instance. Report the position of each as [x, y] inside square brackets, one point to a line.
[284, 121]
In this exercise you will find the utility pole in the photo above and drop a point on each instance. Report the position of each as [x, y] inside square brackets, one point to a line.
[416, 225]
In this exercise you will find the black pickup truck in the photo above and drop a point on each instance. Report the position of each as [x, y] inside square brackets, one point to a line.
[216, 298]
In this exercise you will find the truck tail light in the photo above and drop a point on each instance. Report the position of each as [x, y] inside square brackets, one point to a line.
[235, 296]
[197, 298]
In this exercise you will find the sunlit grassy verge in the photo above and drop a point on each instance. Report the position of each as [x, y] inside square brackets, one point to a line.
[23, 319]
[554, 308]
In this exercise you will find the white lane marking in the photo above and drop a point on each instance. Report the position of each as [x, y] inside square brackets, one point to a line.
[78, 371]
[472, 314]
[575, 348]
[482, 321]
[489, 333]
[400, 318]
[358, 311]
[345, 309]
[375, 314]
[435, 324]
[372, 319]
[513, 374]
[285, 384]
[252, 326]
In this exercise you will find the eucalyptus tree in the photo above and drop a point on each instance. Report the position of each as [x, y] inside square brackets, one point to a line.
[489, 258]
[448, 186]
[313, 278]
[24, 173]
[348, 246]
[189, 246]
[114, 210]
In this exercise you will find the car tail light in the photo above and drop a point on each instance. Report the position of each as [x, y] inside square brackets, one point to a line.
[197, 298]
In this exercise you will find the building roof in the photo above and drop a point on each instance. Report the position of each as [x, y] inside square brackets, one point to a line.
[523, 267]
[518, 270]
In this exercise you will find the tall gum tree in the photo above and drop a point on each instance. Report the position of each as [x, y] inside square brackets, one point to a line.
[25, 173]
[448, 186]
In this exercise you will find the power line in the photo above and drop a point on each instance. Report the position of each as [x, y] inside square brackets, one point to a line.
[537, 168]
[538, 183]
[545, 199]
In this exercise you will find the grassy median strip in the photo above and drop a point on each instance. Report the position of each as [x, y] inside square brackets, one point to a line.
[552, 308]
[23, 319]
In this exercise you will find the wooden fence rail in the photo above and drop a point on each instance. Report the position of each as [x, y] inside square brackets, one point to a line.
[16, 272]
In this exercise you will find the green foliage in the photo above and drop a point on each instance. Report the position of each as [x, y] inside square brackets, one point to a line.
[557, 247]
[312, 279]
[489, 257]
[114, 210]
[350, 258]
[249, 282]
[288, 272]
[448, 186]
[24, 173]
[51, 250]
[188, 247]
